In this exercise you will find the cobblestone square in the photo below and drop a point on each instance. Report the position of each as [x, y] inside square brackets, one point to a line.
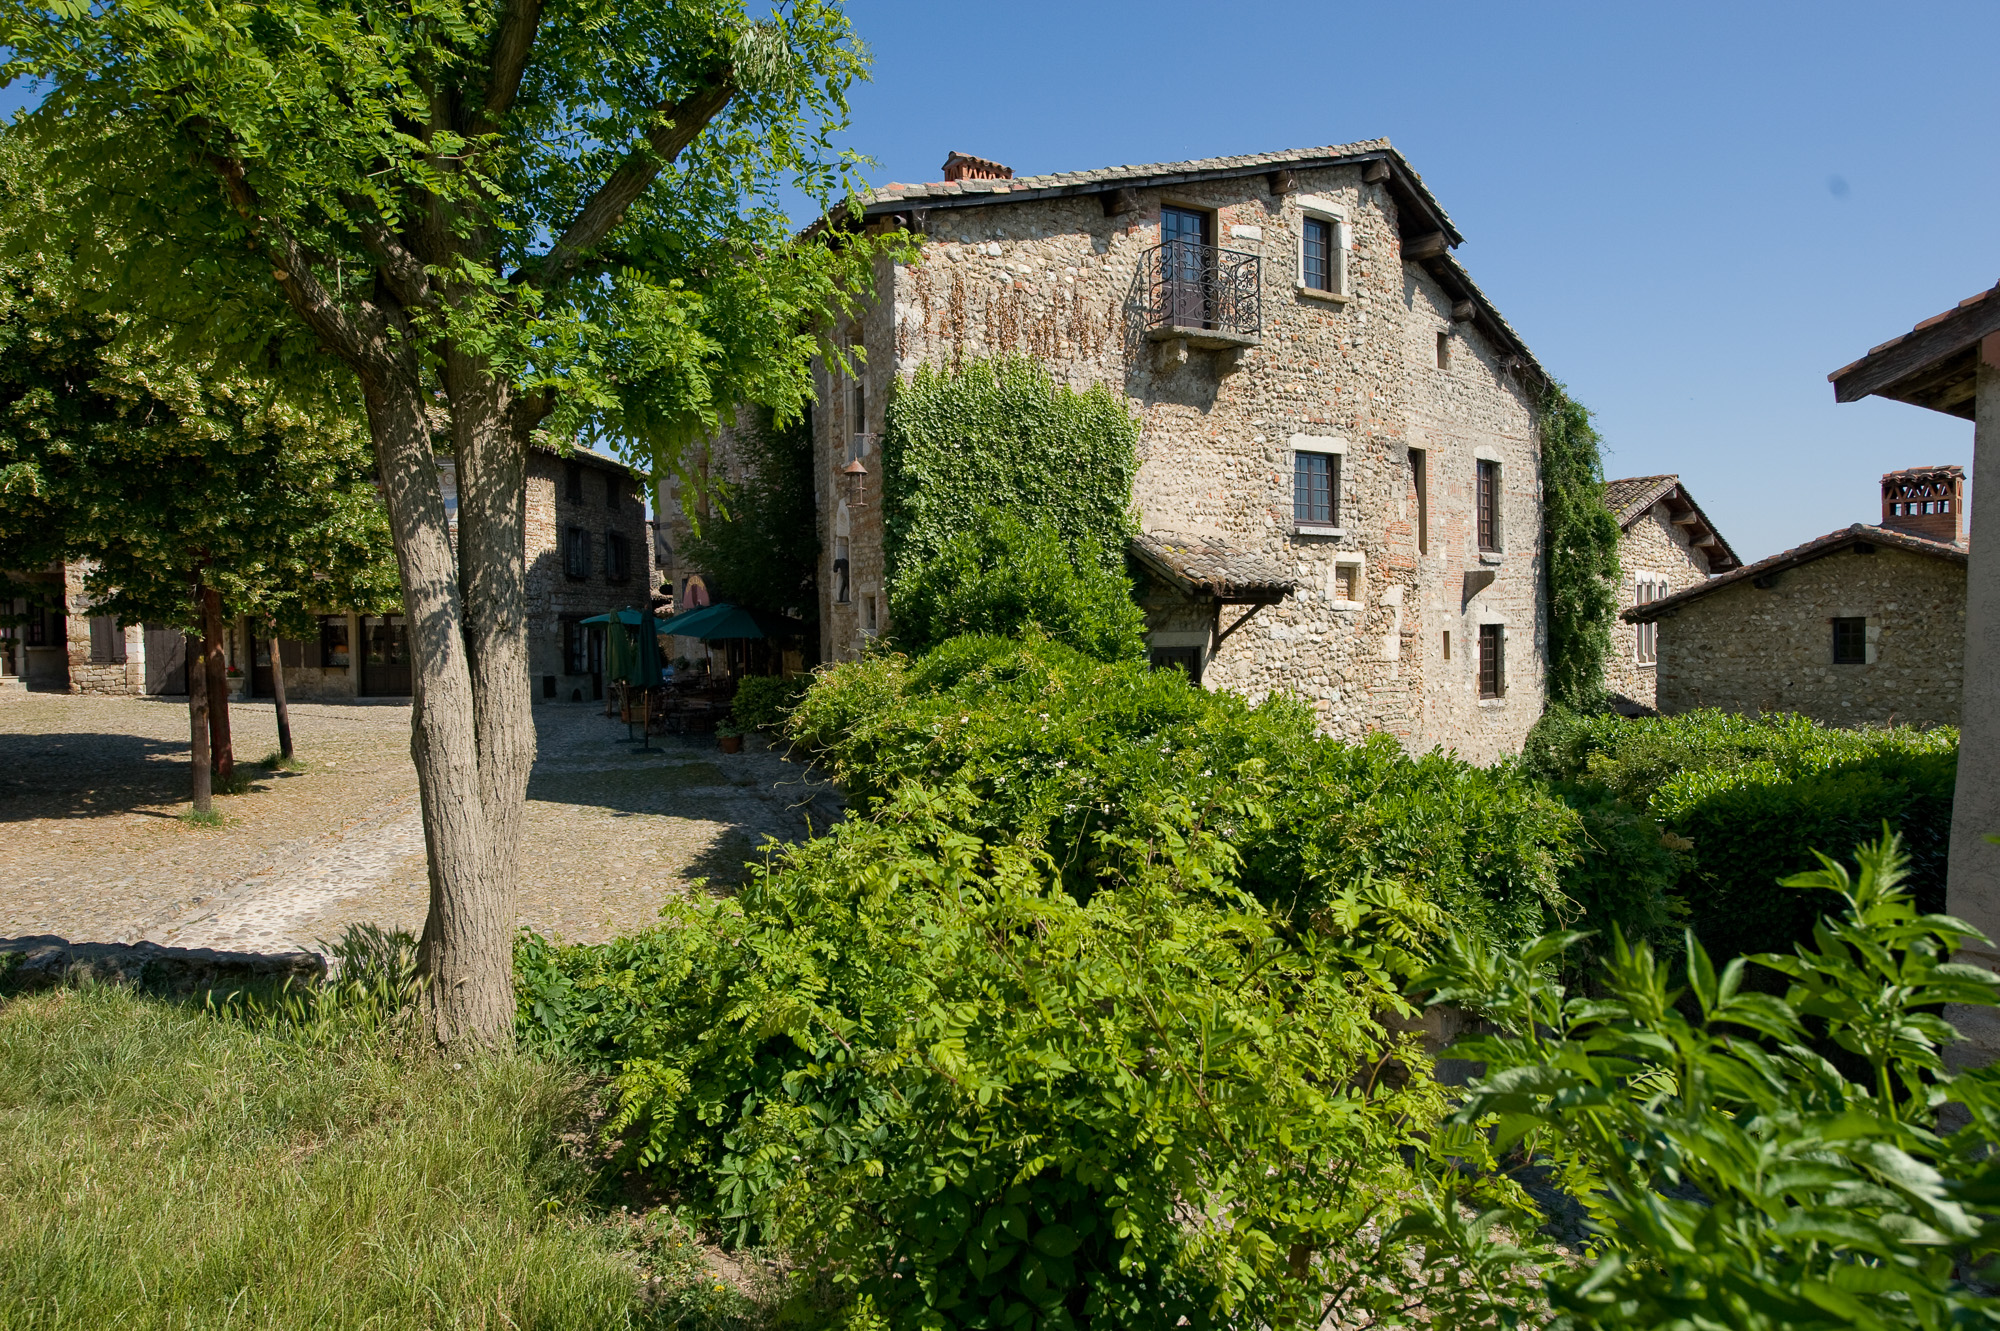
[93, 850]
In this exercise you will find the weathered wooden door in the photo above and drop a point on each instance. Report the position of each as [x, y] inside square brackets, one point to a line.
[166, 660]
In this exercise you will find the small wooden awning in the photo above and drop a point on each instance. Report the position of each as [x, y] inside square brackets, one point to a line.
[1205, 567]
[1934, 365]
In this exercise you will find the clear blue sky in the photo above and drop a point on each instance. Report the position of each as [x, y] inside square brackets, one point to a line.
[1691, 212]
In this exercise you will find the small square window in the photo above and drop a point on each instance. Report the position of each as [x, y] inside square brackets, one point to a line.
[1444, 351]
[1316, 489]
[868, 613]
[1492, 661]
[1850, 641]
[1346, 580]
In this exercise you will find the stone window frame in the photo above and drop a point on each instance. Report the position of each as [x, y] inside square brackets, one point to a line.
[1487, 453]
[1330, 445]
[1324, 210]
[1497, 636]
[1358, 561]
[1646, 636]
[1871, 629]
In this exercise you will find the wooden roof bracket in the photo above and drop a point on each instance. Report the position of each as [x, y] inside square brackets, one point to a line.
[1222, 634]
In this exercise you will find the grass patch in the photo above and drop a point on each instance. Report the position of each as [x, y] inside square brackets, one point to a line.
[201, 817]
[278, 762]
[165, 1167]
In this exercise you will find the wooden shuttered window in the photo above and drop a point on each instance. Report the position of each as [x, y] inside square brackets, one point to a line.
[1492, 661]
[1489, 506]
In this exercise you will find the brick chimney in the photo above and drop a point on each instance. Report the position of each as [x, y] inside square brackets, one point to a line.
[964, 166]
[1925, 501]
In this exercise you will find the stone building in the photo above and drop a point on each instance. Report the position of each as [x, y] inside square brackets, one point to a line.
[1666, 544]
[1339, 478]
[589, 550]
[1863, 626]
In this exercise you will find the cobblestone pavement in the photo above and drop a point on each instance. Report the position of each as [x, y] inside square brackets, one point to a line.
[93, 850]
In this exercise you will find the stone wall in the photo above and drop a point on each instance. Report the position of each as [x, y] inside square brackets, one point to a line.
[1651, 545]
[552, 595]
[121, 671]
[1746, 649]
[1356, 374]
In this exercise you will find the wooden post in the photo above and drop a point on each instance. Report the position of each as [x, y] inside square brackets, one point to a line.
[217, 669]
[278, 696]
[1972, 887]
[198, 728]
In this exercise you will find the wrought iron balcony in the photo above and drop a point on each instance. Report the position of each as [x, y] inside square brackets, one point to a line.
[1209, 296]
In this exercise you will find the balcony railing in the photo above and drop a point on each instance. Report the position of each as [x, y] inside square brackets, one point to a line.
[1206, 294]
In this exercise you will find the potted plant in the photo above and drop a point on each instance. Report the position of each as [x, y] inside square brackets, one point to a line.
[729, 737]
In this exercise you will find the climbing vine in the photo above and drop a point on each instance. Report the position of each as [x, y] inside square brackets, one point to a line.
[1581, 538]
[1003, 434]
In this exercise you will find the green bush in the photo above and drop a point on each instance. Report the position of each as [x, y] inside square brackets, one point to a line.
[764, 701]
[1004, 577]
[1063, 750]
[1732, 1176]
[906, 1054]
[1745, 800]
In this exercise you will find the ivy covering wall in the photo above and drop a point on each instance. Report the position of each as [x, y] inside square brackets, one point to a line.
[1581, 538]
[1003, 434]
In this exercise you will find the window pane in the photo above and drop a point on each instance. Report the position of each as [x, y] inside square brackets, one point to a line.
[1489, 505]
[1319, 254]
[1850, 641]
[1492, 667]
[1315, 486]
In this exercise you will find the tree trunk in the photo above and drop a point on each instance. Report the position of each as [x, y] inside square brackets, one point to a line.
[466, 952]
[198, 729]
[278, 697]
[221, 754]
[490, 434]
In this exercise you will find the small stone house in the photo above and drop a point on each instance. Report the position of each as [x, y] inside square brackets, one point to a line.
[1666, 544]
[1339, 479]
[589, 550]
[1863, 626]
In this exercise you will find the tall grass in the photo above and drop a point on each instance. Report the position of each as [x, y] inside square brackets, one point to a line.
[163, 1166]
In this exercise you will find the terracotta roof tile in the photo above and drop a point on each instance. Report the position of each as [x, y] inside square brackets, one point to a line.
[1208, 566]
[1799, 554]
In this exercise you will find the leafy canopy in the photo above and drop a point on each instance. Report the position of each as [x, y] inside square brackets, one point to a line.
[584, 196]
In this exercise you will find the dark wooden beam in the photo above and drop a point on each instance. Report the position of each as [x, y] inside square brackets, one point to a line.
[1282, 182]
[1882, 371]
[1427, 246]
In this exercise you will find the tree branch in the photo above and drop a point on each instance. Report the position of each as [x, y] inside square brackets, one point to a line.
[682, 121]
[292, 266]
[511, 45]
[403, 271]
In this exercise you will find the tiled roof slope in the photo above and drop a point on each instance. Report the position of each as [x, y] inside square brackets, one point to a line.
[1933, 365]
[1633, 495]
[1817, 548]
[1205, 566]
[1247, 163]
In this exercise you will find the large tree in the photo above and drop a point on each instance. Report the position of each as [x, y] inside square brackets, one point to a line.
[504, 216]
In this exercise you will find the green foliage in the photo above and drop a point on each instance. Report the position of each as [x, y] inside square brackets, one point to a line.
[976, 1101]
[1734, 1177]
[761, 543]
[1745, 800]
[1003, 577]
[206, 144]
[153, 464]
[1064, 750]
[764, 701]
[165, 1169]
[1580, 538]
[1003, 434]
